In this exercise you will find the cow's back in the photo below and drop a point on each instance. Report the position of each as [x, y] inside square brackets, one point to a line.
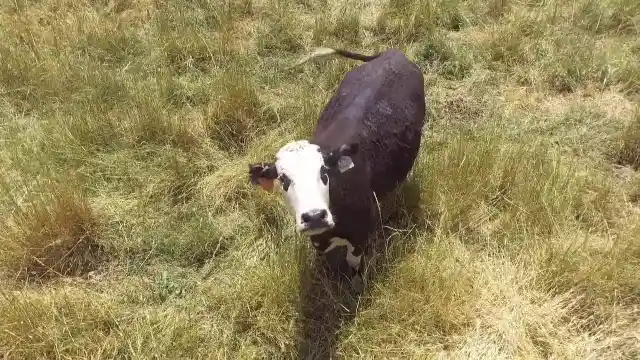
[381, 105]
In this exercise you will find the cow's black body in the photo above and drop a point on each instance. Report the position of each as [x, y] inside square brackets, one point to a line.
[380, 105]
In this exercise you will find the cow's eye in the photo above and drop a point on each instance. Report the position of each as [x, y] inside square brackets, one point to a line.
[324, 175]
[285, 181]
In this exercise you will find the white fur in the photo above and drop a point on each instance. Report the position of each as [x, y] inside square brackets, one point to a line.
[301, 161]
[353, 261]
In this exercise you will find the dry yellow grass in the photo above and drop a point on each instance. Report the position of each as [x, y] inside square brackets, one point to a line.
[129, 228]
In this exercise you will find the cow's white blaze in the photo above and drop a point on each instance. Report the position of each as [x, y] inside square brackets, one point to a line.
[301, 162]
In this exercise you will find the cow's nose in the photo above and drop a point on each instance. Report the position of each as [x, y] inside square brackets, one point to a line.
[314, 215]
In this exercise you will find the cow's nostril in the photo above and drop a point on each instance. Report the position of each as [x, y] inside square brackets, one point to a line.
[306, 217]
[322, 214]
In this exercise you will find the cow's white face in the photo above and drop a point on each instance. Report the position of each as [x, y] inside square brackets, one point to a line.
[304, 179]
[303, 172]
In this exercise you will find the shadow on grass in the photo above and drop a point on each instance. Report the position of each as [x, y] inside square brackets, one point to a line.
[327, 305]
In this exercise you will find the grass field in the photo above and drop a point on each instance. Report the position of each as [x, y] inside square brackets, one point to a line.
[129, 228]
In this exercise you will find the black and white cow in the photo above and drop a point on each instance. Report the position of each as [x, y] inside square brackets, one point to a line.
[366, 141]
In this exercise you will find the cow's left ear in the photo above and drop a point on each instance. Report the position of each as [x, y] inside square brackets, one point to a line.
[341, 157]
[263, 174]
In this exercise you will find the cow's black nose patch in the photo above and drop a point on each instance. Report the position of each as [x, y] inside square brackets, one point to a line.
[314, 215]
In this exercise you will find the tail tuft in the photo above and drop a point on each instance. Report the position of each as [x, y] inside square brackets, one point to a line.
[324, 52]
[318, 52]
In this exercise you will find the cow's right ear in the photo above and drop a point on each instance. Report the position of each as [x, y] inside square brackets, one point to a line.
[263, 174]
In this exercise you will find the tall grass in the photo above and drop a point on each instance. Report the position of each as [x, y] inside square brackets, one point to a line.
[129, 228]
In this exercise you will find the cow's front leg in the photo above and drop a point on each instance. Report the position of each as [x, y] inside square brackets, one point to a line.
[354, 258]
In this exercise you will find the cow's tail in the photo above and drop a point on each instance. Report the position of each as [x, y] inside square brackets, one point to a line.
[324, 52]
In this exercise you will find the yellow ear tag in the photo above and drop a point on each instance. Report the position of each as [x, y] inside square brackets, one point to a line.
[266, 184]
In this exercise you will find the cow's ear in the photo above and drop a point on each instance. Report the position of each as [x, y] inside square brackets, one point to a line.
[263, 174]
[340, 158]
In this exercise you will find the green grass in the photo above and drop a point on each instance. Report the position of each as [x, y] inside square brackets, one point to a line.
[130, 230]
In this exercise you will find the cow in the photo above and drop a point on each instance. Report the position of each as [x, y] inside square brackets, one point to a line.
[365, 143]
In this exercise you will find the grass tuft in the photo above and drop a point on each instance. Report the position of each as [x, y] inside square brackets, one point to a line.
[628, 153]
[618, 16]
[53, 237]
[236, 115]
